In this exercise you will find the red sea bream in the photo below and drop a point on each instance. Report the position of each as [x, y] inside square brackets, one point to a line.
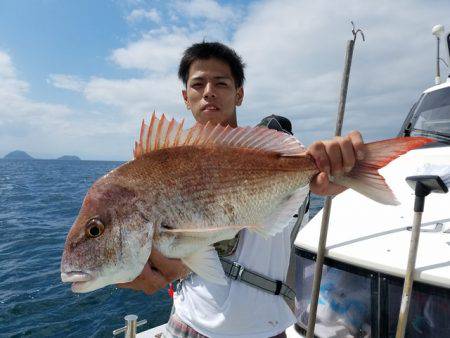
[185, 190]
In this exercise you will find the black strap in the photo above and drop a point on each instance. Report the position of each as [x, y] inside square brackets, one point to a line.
[236, 271]
[304, 208]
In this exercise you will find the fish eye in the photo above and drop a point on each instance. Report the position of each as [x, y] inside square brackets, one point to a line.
[94, 228]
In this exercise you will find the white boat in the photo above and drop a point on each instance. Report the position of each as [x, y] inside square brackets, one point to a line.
[368, 243]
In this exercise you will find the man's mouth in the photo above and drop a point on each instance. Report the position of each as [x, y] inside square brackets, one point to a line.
[210, 108]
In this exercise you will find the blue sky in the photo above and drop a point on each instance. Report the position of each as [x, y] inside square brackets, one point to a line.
[76, 77]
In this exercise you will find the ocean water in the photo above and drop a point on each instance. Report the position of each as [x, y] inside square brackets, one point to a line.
[39, 201]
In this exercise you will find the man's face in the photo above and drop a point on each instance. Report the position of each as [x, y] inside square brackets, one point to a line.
[211, 93]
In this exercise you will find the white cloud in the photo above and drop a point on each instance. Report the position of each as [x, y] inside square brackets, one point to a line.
[158, 51]
[140, 14]
[64, 81]
[6, 66]
[135, 97]
[208, 9]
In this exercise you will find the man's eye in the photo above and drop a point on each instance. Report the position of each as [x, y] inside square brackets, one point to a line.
[222, 84]
[196, 85]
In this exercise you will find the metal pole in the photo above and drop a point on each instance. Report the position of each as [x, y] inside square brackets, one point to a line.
[327, 206]
[130, 327]
[409, 277]
[438, 70]
[423, 185]
[344, 87]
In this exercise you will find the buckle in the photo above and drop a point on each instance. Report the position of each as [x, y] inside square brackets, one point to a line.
[236, 271]
[287, 292]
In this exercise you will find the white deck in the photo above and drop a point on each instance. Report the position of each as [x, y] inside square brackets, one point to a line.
[157, 332]
[374, 236]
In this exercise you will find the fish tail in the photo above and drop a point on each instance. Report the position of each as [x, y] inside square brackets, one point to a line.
[365, 178]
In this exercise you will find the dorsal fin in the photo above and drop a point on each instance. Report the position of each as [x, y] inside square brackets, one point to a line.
[161, 133]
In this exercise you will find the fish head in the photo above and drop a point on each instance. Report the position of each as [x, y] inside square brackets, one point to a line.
[109, 242]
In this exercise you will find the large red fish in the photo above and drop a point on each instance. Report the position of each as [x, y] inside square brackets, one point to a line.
[185, 190]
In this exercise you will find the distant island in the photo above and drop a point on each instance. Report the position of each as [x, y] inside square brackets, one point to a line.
[18, 155]
[22, 155]
[69, 158]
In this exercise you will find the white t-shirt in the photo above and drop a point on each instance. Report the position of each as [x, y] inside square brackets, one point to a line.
[237, 309]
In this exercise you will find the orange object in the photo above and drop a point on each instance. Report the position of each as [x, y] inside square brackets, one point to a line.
[170, 291]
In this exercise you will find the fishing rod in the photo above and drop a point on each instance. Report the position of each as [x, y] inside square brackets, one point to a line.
[327, 206]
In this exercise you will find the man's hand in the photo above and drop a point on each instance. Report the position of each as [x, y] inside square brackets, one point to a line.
[335, 157]
[157, 273]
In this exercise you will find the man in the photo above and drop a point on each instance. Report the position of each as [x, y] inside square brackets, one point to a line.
[213, 75]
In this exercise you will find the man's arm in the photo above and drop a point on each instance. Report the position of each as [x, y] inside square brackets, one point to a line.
[158, 272]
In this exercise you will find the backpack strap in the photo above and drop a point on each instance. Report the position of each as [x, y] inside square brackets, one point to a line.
[236, 271]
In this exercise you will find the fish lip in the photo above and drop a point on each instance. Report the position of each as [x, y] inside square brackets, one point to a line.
[75, 277]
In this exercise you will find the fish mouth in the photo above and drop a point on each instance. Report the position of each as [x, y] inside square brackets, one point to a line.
[75, 277]
[81, 281]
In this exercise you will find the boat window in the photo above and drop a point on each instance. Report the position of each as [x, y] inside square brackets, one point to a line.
[356, 302]
[432, 116]
[344, 308]
[429, 314]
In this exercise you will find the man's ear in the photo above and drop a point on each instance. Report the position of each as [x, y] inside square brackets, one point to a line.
[185, 98]
[239, 95]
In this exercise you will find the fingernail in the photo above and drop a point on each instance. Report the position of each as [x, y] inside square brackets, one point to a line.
[347, 169]
[360, 155]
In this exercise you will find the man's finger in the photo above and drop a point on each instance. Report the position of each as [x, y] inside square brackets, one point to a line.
[318, 152]
[348, 153]
[358, 144]
[334, 154]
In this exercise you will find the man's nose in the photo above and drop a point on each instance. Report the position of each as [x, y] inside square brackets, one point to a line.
[209, 91]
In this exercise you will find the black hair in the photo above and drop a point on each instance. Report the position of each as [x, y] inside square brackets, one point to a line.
[207, 50]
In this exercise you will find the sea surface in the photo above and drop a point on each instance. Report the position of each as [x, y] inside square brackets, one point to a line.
[39, 200]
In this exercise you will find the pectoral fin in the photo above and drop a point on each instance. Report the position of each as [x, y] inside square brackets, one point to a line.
[206, 264]
[278, 220]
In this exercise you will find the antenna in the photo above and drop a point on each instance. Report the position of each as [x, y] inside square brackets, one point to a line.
[438, 31]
